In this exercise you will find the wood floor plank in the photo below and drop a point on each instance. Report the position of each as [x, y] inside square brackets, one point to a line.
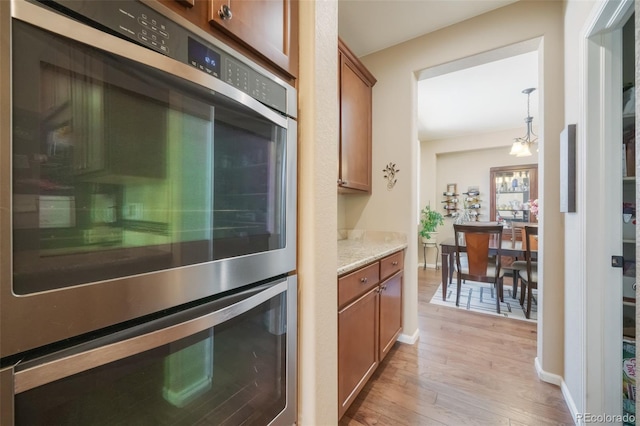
[466, 369]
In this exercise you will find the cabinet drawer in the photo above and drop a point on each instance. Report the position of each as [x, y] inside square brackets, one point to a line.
[391, 264]
[357, 283]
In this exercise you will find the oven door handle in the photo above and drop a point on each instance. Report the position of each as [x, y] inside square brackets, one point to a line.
[67, 366]
[63, 26]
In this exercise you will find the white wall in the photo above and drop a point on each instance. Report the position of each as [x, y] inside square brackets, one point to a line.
[576, 15]
[317, 215]
[395, 133]
[592, 307]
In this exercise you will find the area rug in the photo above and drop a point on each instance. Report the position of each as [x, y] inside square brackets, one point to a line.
[480, 297]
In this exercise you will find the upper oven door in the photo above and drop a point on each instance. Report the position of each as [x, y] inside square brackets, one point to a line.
[148, 179]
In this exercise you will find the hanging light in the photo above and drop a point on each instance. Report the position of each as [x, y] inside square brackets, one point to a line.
[522, 146]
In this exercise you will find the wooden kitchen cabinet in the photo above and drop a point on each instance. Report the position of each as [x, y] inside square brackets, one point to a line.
[369, 322]
[264, 30]
[390, 301]
[268, 26]
[357, 347]
[356, 84]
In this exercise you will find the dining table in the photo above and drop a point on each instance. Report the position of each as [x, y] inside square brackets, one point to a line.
[448, 248]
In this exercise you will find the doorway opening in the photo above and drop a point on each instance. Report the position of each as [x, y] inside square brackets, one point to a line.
[469, 113]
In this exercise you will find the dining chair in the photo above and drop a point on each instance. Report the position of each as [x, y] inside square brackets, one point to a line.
[529, 276]
[476, 241]
[512, 267]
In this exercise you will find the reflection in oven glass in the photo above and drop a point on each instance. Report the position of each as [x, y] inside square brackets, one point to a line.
[231, 374]
[123, 170]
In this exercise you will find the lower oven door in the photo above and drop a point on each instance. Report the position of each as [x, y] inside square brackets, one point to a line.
[230, 361]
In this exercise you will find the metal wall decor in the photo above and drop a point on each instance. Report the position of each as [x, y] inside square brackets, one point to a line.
[390, 175]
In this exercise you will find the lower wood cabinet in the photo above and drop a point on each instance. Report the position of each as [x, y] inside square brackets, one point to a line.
[357, 346]
[369, 323]
[390, 313]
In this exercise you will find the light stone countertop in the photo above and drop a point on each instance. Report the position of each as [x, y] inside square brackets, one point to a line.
[357, 248]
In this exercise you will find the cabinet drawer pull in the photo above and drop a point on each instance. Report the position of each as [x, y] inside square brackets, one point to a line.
[364, 280]
[394, 263]
[225, 12]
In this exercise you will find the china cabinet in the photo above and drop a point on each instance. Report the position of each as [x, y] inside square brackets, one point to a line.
[513, 188]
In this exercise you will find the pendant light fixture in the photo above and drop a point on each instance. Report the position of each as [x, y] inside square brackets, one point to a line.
[522, 146]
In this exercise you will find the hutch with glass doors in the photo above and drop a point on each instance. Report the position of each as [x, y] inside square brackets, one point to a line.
[513, 189]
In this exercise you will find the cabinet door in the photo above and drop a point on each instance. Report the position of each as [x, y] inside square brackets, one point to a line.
[267, 26]
[511, 189]
[390, 313]
[355, 128]
[357, 347]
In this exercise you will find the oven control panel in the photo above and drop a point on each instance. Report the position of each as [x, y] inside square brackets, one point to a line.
[143, 25]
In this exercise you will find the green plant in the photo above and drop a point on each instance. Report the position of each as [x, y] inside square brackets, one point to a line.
[429, 221]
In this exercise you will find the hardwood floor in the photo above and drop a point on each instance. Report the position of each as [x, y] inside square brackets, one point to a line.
[466, 369]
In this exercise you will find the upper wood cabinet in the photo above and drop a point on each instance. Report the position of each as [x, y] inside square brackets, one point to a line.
[356, 83]
[268, 26]
[264, 30]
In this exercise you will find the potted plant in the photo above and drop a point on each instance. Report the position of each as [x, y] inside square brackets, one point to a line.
[429, 221]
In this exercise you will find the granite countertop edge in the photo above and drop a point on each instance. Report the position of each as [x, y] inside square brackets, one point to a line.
[367, 253]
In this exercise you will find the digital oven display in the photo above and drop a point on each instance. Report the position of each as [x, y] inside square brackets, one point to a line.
[203, 58]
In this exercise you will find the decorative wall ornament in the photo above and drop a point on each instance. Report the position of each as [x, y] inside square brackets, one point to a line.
[390, 175]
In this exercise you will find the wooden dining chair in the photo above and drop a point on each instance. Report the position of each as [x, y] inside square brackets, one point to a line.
[529, 276]
[513, 268]
[476, 241]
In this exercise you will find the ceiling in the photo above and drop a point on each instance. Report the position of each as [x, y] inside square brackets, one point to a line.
[479, 95]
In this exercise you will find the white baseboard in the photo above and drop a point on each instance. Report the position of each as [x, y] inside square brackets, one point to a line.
[545, 376]
[557, 380]
[571, 404]
[409, 339]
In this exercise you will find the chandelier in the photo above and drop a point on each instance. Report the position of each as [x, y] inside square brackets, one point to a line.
[522, 146]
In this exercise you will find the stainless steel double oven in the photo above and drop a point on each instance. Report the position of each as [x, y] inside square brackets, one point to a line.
[147, 221]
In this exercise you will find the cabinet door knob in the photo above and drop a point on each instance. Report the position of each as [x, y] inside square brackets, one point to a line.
[225, 12]
[394, 263]
[364, 280]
